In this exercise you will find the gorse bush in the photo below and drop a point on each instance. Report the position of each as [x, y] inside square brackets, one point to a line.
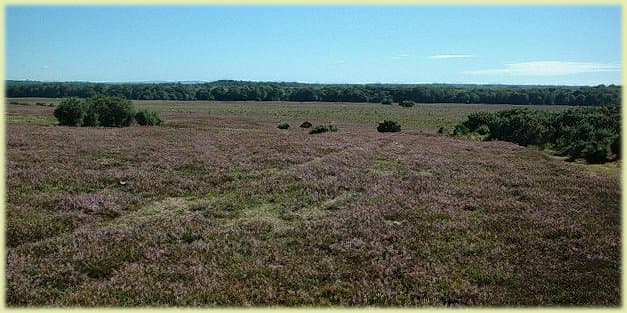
[615, 146]
[389, 126]
[406, 103]
[319, 129]
[583, 133]
[283, 126]
[306, 124]
[111, 111]
[102, 111]
[70, 112]
[146, 117]
[323, 129]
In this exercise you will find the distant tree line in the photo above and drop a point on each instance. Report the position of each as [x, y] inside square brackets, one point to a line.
[375, 93]
[592, 134]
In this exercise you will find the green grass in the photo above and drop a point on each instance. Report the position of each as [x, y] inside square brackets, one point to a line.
[31, 120]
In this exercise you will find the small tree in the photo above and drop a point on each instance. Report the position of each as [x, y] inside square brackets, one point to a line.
[70, 112]
[389, 126]
[283, 126]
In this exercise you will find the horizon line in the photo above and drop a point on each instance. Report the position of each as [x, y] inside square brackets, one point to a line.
[192, 81]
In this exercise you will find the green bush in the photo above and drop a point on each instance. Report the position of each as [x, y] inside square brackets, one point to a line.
[91, 117]
[615, 146]
[283, 126]
[442, 130]
[70, 112]
[110, 111]
[319, 129]
[587, 133]
[460, 130]
[595, 152]
[386, 101]
[147, 117]
[483, 130]
[332, 128]
[389, 126]
[406, 103]
[306, 124]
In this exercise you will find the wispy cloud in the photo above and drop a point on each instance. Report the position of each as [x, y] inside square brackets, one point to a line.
[401, 56]
[45, 67]
[547, 68]
[451, 56]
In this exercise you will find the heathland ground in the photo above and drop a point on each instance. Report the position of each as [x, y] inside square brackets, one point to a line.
[219, 207]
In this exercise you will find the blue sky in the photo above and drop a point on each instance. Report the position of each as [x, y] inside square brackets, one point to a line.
[416, 44]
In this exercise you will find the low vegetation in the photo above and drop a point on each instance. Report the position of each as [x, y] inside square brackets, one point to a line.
[389, 126]
[70, 112]
[103, 111]
[589, 133]
[406, 103]
[306, 124]
[283, 125]
[222, 209]
[147, 117]
[323, 129]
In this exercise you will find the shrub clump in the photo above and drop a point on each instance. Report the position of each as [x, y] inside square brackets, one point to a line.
[70, 112]
[582, 133]
[389, 127]
[615, 146]
[283, 126]
[319, 129]
[306, 124]
[147, 117]
[323, 129]
[110, 111]
[99, 111]
[386, 101]
[406, 103]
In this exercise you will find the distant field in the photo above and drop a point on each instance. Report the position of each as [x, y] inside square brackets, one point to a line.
[219, 207]
[424, 117]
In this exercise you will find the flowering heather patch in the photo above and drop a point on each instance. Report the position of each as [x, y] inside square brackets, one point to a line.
[228, 210]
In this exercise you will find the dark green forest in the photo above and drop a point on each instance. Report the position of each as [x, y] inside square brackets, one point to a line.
[227, 90]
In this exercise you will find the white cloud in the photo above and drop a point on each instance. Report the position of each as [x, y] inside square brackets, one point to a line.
[547, 68]
[45, 67]
[451, 56]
